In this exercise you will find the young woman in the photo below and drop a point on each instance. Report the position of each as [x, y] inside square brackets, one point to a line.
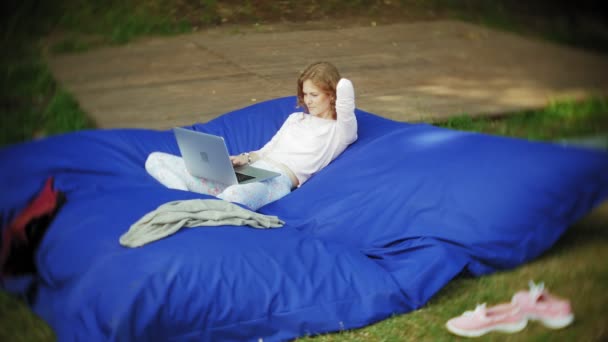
[306, 143]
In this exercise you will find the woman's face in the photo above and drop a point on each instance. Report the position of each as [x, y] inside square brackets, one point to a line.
[316, 100]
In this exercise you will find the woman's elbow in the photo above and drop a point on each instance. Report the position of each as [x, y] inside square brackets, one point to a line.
[353, 137]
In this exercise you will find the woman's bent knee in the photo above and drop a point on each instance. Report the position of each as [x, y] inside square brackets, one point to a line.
[153, 161]
[232, 194]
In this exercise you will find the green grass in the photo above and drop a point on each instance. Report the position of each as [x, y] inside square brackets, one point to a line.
[560, 119]
[90, 23]
[18, 323]
[27, 89]
[32, 104]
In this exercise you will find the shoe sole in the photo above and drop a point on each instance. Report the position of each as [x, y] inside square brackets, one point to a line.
[505, 328]
[553, 323]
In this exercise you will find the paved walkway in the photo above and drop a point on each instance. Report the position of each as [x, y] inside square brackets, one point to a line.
[409, 72]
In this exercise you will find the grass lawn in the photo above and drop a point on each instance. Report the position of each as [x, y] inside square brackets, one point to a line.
[32, 104]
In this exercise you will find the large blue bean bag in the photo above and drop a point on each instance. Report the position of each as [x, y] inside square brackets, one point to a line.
[378, 232]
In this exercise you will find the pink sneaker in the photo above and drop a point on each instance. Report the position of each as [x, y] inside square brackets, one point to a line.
[505, 317]
[537, 304]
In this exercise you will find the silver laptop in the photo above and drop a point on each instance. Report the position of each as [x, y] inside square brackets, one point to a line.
[206, 156]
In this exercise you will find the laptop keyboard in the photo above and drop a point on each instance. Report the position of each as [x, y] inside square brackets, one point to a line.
[241, 177]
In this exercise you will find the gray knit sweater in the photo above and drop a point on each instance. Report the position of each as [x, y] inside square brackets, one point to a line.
[172, 216]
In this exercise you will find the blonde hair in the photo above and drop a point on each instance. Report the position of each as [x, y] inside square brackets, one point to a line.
[323, 75]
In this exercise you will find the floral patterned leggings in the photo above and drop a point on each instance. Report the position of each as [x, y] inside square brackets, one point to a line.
[170, 170]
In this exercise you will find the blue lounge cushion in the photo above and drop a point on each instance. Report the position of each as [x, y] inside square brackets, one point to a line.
[378, 232]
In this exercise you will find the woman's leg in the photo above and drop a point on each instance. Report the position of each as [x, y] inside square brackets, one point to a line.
[170, 170]
[258, 194]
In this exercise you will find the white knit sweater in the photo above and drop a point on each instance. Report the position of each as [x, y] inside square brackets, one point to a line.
[306, 143]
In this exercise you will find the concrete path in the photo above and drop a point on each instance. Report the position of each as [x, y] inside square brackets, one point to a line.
[408, 72]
